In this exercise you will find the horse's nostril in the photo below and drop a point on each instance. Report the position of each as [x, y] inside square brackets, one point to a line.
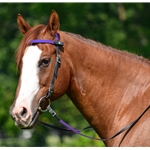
[23, 112]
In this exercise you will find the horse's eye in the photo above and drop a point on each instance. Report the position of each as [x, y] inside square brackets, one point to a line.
[45, 62]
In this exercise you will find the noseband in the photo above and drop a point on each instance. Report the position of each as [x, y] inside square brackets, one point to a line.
[58, 44]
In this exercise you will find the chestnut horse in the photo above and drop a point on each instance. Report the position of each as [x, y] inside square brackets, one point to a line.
[111, 88]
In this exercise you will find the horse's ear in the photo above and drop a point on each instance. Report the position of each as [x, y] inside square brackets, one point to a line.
[53, 25]
[22, 24]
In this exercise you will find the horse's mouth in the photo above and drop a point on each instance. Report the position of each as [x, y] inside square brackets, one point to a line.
[33, 120]
[29, 123]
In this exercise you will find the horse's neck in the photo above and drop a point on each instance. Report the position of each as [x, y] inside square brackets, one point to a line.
[103, 83]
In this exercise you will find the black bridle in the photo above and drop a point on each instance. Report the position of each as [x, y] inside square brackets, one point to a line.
[58, 44]
[48, 94]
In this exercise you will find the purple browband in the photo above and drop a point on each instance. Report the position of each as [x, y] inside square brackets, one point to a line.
[45, 41]
[42, 41]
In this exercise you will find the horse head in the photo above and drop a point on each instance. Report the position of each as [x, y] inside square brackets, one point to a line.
[36, 63]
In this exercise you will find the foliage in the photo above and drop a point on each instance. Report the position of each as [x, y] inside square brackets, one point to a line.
[121, 25]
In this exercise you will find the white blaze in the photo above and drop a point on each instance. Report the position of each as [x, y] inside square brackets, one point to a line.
[29, 78]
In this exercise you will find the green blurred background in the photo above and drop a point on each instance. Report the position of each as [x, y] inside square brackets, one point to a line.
[124, 26]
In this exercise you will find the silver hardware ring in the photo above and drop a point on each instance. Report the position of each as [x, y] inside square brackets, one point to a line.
[39, 108]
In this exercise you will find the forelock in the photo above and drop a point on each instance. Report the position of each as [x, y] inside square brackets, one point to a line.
[34, 33]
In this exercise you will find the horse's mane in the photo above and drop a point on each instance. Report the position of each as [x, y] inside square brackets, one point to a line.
[109, 48]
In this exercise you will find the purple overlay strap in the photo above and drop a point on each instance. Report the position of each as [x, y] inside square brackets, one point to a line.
[45, 41]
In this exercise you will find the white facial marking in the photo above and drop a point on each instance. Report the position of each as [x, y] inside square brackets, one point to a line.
[29, 77]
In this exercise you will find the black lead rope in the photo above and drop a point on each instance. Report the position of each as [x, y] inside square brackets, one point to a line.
[129, 126]
[59, 128]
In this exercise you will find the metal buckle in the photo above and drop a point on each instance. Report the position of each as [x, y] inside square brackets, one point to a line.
[39, 107]
[53, 113]
[58, 43]
[58, 58]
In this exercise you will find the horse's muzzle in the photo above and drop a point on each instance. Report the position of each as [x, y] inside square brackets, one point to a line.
[24, 120]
